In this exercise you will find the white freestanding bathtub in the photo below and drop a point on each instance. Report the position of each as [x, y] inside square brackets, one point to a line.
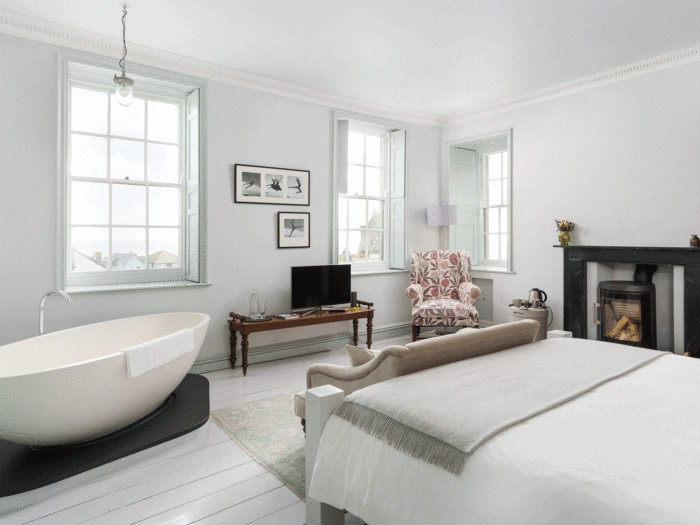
[72, 386]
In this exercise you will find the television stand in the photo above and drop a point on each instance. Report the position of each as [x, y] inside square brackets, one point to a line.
[238, 325]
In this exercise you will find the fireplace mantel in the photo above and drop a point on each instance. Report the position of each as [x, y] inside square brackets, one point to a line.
[575, 283]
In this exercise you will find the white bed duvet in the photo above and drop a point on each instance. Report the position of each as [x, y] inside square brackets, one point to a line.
[628, 452]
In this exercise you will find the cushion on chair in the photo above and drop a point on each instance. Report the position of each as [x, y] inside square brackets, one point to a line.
[442, 307]
[359, 356]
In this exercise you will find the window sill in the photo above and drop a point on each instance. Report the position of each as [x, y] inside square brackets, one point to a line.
[133, 287]
[491, 269]
[377, 271]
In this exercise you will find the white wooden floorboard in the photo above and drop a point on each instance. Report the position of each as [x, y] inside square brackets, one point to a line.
[293, 514]
[203, 477]
[169, 497]
[112, 497]
[216, 502]
[251, 509]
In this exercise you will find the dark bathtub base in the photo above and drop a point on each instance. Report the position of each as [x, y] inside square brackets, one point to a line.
[23, 468]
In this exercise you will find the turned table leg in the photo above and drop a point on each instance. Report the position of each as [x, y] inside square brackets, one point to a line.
[244, 353]
[234, 340]
[355, 322]
[369, 329]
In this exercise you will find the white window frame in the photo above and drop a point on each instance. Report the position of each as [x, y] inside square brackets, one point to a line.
[484, 198]
[94, 74]
[393, 194]
[482, 145]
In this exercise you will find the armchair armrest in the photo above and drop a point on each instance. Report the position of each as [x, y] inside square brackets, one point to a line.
[351, 378]
[468, 292]
[415, 293]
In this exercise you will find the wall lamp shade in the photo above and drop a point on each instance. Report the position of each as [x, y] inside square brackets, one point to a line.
[443, 215]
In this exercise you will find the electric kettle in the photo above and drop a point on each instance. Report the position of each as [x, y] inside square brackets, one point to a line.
[537, 295]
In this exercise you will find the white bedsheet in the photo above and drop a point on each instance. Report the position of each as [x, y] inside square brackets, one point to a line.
[627, 452]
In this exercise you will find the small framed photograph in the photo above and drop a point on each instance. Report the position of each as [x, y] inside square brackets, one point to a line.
[265, 185]
[293, 230]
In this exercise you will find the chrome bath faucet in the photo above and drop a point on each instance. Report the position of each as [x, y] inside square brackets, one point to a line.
[41, 308]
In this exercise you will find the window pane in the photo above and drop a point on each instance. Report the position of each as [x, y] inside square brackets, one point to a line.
[88, 156]
[128, 248]
[164, 206]
[163, 122]
[163, 248]
[88, 111]
[89, 203]
[89, 249]
[492, 220]
[355, 246]
[164, 164]
[375, 245]
[376, 214]
[343, 254]
[342, 213]
[374, 182]
[358, 213]
[494, 166]
[504, 220]
[128, 204]
[126, 158]
[356, 148]
[128, 121]
[373, 150]
[492, 251]
[504, 247]
[355, 186]
[494, 193]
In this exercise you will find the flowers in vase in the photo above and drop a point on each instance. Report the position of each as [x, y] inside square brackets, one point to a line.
[564, 227]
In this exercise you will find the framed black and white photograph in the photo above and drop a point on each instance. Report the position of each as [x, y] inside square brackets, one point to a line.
[293, 230]
[265, 185]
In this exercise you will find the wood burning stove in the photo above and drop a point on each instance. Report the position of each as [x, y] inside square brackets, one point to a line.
[626, 311]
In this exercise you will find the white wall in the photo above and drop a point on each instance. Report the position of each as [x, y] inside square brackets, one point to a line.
[622, 161]
[244, 126]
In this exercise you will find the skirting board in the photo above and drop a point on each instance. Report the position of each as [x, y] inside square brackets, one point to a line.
[259, 354]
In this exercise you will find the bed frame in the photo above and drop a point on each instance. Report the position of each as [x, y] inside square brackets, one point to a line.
[320, 404]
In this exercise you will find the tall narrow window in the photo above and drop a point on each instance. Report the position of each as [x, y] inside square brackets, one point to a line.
[129, 174]
[370, 160]
[495, 209]
[479, 184]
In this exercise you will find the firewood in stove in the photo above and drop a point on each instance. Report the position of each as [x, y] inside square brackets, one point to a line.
[619, 327]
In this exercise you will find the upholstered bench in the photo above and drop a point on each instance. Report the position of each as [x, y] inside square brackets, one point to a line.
[369, 367]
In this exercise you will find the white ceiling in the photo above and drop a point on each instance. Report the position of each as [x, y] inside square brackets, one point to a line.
[434, 56]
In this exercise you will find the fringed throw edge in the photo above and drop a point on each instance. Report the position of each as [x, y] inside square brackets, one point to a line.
[403, 438]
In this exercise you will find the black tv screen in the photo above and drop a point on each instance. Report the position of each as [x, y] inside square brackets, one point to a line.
[320, 285]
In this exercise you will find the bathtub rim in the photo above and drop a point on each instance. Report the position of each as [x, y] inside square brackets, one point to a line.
[204, 322]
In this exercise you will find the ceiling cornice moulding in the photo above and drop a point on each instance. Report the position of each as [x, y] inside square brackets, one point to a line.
[611, 76]
[63, 36]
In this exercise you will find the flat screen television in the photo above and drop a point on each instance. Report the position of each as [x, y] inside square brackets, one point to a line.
[314, 286]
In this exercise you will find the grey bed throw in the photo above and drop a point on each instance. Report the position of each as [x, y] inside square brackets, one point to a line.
[442, 415]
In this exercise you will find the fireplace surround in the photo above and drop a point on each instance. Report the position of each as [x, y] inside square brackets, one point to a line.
[575, 283]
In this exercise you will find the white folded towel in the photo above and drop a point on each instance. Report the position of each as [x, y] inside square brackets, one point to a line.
[149, 355]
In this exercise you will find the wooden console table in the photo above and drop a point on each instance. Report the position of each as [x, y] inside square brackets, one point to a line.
[237, 324]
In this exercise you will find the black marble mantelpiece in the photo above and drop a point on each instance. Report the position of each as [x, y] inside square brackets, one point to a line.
[575, 283]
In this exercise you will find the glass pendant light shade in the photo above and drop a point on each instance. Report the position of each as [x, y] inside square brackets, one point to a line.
[123, 91]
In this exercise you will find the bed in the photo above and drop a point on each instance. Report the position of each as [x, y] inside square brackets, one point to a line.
[622, 445]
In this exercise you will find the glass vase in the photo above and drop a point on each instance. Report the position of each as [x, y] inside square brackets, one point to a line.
[564, 238]
[253, 310]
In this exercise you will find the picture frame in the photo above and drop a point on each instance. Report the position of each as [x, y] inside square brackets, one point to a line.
[267, 185]
[293, 229]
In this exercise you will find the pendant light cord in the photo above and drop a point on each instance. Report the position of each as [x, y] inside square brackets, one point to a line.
[121, 62]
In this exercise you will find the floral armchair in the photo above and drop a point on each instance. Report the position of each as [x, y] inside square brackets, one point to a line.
[441, 290]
